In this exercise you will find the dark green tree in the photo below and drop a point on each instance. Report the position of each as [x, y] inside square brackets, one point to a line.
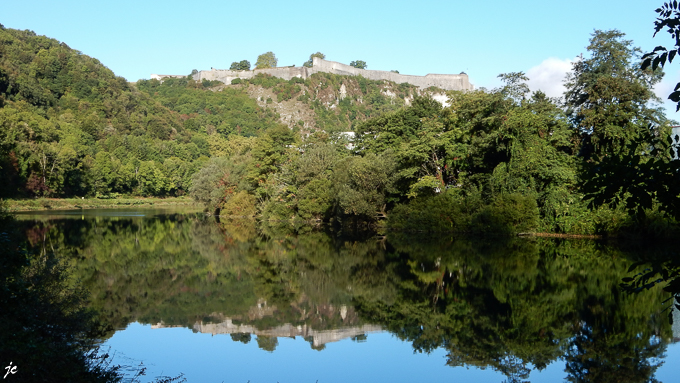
[624, 138]
[241, 65]
[669, 18]
[609, 98]
[359, 64]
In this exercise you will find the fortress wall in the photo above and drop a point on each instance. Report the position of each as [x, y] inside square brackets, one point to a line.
[226, 76]
[443, 81]
[160, 77]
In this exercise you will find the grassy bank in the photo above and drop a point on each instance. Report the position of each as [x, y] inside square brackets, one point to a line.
[94, 203]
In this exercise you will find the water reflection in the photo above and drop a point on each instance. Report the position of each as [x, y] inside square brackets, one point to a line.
[514, 305]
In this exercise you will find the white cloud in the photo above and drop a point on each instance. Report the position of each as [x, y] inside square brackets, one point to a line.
[666, 87]
[549, 75]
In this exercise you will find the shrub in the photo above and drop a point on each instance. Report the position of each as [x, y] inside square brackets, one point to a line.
[240, 204]
[507, 214]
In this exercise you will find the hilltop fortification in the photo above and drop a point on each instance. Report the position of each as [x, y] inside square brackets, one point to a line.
[442, 81]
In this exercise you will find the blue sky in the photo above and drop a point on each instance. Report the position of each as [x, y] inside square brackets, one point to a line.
[484, 39]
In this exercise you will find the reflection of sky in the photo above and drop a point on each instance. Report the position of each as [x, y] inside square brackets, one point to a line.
[207, 358]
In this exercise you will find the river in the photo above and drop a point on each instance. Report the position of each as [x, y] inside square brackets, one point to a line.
[233, 302]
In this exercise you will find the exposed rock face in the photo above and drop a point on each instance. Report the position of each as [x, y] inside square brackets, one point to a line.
[442, 81]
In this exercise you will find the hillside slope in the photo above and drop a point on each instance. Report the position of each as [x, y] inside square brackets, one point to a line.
[70, 127]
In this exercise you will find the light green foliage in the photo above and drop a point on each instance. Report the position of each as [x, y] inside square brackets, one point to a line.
[72, 128]
[240, 204]
[266, 60]
[227, 111]
[362, 183]
[220, 178]
[315, 199]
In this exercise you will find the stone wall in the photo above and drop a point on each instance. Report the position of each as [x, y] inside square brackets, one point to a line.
[442, 81]
[160, 77]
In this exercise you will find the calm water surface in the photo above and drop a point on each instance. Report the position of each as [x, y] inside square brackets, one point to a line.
[224, 301]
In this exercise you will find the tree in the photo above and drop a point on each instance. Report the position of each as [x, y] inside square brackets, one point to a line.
[266, 60]
[609, 97]
[359, 64]
[669, 17]
[310, 62]
[623, 138]
[241, 65]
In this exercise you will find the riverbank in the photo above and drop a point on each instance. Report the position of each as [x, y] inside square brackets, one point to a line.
[94, 203]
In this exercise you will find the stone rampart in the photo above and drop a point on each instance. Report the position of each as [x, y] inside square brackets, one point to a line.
[225, 75]
[160, 77]
[442, 81]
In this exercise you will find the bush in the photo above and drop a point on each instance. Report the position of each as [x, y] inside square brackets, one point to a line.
[507, 214]
[240, 204]
[440, 213]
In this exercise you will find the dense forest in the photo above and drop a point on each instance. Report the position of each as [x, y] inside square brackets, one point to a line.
[505, 160]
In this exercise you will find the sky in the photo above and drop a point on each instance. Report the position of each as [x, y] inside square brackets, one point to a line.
[482, 38]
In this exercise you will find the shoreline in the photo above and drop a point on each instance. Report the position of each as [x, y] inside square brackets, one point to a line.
[47, 204]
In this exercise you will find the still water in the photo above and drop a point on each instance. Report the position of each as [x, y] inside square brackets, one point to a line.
[232, 302]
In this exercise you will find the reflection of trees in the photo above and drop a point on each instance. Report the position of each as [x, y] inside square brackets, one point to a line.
[656, 264]
[46, 330]
[267, 343]
[241, 337]
[512, 305]
[169, 269]
[180, 270]
[520, 305]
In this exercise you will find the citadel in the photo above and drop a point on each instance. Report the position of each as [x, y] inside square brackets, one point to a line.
[442, 81]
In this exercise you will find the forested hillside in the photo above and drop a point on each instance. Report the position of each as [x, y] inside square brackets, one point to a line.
[503, 160]
[70, 127]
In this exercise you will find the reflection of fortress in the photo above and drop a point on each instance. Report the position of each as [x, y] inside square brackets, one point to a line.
[442, 81]
[287, 330]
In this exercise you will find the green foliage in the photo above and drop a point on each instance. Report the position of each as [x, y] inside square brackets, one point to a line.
[309, 63]
[608, 97]
[669, 18]
[240, 204]
[228, 111]
[241, 65]
[624, 138]
[49, 333]
[266, 60]
[69, 127]
[507, 214]
[359, 64]
[362, 183]
[286, 91]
